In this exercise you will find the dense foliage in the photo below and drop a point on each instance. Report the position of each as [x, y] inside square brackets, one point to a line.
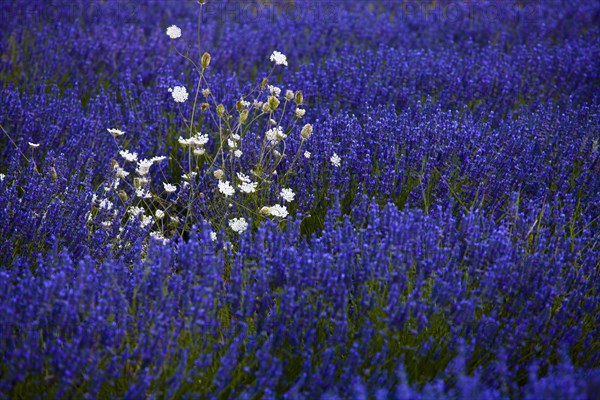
[450, 251]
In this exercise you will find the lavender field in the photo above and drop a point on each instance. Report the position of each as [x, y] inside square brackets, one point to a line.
[299, 199]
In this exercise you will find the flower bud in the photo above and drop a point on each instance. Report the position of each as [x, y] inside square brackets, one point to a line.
[205, 60]
[219, 174]
[307, 131]
[266, 108]
[206, 92]
[123, 195]
[220, 110]
[299, 98]
[243, 116]
[273, 103]
[263, 83]
[204, 106]
[289, 95]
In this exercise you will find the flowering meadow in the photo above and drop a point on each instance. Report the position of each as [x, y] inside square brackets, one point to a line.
[300, 199]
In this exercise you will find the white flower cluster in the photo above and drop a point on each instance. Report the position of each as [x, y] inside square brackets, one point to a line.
[179, 93]
[275, 135]
[238, 225]
[174, 32]
[196, 142]
[115, 132]
[277, 210]
[335, 160]
[279, 58]
[226, 188]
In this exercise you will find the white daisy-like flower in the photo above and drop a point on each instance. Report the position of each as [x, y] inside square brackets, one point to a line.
[143, 167]
[289, 95]
[158, 159]
[143, 194]
[335, 160]
[274, 135]
[158, 236]
[238, 225]
[248, 187]
[244, 103]
[135, 211]
[131, 157]
[238, 153]
[307, 154]
[226, 188]
[277, 210]
[159, 214]
[236, 137]
[147, 220]
[174, 32]
[279, 58]
[300, 112]
[287, 194]
[33, 145]
[243, 177]
[121, 173]
[274, 90]
[106, 204]
[115, 132]
[169, 188]
[213, 236]
[179, 93]
[231, 144]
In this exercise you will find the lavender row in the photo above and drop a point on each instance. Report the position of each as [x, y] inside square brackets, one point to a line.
[383, 300]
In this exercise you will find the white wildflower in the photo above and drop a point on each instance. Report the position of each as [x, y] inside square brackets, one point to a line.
[236, 137]
[131, 157]
[335, 160]
[146, 220]
[143, 194]
[289, 95]
[136, 211]
[287, 194]
[239, 225]
[2, 176]
[277, 210]
[226, 188]
[115, 132]
[274, 135]
[179, 93]
[231, 143]
[279, 58]
[237, 153]
[213, 236]
[143, 167]
[158, 236]
[307, 154]
[174, 32]
[300, 112]
[244, 103]
[248, 187]
[158, 159]
[106, 204]
[243, 177]
[121, 173]
[159, 214]
[33, 145]
[169, 188]
[274, 90]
